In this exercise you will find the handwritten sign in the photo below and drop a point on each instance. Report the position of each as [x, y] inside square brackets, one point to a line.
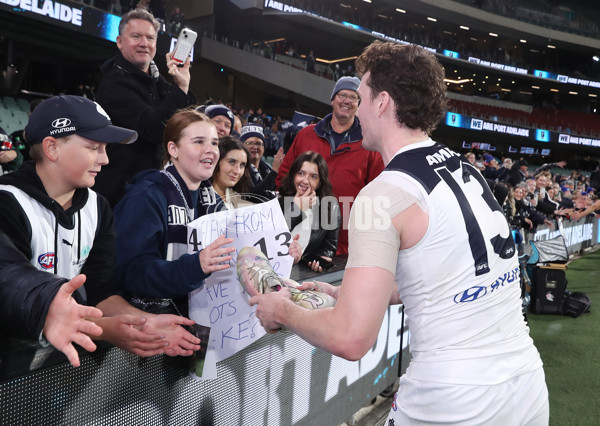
[221, 303]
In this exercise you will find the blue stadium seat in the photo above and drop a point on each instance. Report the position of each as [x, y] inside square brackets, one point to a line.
[24, 104]
[5, 118]
[10, 103]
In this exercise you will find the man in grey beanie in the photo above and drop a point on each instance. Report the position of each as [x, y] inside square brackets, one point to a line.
[338, 138]
[345, 83]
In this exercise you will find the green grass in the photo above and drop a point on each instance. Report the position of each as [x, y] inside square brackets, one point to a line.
[570, 349]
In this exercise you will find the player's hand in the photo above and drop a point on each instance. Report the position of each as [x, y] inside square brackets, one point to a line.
[181, 75]
[269, 306]
[67, 322]
[215, 257]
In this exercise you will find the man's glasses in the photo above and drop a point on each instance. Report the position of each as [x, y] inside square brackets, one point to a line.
[258, 144]
[344, 97]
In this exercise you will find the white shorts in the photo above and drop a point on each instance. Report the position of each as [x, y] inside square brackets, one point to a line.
[522, 400]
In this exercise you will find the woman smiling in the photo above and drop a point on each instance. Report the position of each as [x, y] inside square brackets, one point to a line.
[310, 209]
[231, 178]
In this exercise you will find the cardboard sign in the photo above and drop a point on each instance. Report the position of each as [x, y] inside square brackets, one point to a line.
[221, 303]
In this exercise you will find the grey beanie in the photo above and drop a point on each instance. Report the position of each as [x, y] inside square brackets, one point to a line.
[345, 83]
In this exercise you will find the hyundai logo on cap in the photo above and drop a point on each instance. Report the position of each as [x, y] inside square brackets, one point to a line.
[61, 122]
[65, 115]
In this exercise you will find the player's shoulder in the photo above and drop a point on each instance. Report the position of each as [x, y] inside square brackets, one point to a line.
[387, 184]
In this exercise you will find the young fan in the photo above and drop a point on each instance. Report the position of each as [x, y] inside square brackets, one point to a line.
[60, 234]
[153, 265]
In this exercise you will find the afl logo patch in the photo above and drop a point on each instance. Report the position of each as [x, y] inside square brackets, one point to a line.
[60, 123]
[47, 260]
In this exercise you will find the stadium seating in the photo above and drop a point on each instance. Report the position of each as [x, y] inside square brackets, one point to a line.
[577, 123]
[24, 104]
[13, 114]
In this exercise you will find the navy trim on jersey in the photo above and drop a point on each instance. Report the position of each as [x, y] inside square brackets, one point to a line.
[430, 165]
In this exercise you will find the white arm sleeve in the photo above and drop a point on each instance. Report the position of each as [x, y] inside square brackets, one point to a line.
[373, 240]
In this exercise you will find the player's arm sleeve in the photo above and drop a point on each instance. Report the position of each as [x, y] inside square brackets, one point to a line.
[373, 239]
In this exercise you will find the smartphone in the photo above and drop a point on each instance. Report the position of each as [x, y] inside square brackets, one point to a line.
[323, 263]
[184, 46]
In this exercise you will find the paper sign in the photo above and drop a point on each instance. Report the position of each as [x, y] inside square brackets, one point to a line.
[221, 303]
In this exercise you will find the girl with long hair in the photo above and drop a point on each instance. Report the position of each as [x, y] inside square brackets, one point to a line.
[311, 209]
[153, 264]
[231, 178]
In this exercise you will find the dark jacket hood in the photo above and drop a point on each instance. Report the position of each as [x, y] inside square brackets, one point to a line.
[155, 177]
[27, 180]
[151, 175]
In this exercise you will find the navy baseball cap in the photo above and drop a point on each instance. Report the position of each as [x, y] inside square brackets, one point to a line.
[65, 115]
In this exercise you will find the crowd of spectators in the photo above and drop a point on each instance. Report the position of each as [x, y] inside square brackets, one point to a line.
[534, 196]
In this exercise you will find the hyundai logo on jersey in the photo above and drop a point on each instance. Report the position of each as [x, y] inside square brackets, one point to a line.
[470, 294]
[47, 260]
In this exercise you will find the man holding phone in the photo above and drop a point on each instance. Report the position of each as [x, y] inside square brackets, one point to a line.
[136, 96]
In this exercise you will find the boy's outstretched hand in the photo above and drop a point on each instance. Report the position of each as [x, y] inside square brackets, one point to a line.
[67, 322]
